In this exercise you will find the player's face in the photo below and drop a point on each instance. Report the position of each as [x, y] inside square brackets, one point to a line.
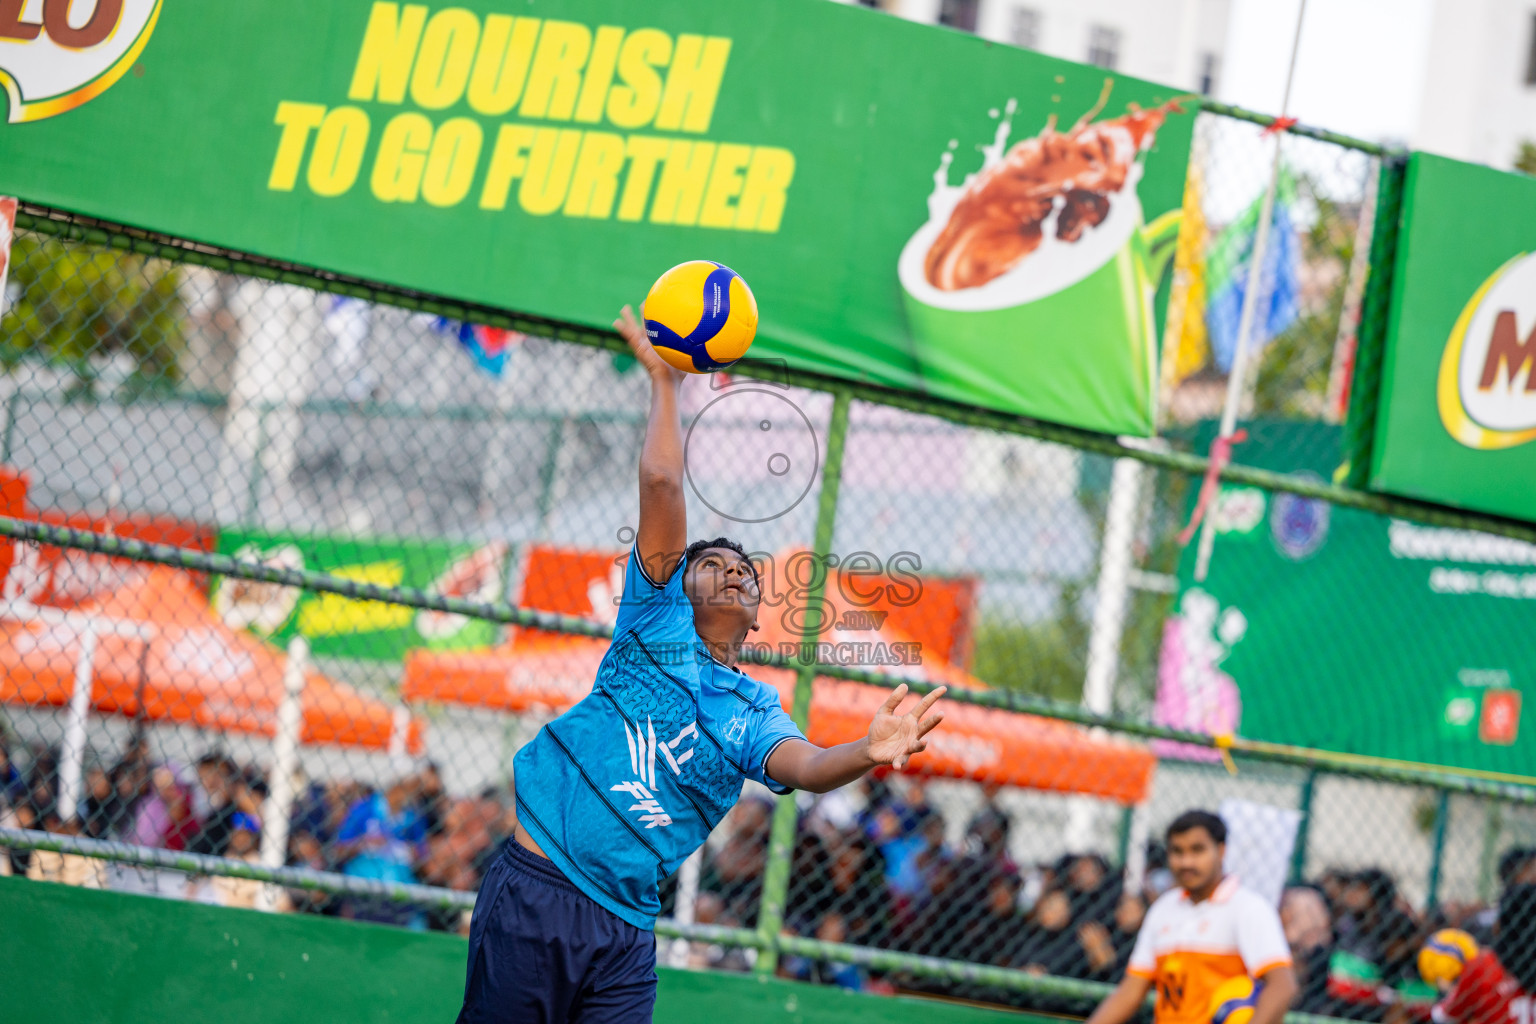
[722, 579]
[1195, 860]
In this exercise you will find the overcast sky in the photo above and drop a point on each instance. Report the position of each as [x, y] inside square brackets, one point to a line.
[1359, 69]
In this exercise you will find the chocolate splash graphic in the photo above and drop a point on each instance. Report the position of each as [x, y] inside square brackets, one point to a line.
[1002, 216]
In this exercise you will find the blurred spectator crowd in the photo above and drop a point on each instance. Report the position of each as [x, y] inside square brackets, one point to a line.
[872, 866]
[885, 875]
[408, 832]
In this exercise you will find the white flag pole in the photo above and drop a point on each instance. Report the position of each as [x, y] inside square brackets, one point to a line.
[1238, 374]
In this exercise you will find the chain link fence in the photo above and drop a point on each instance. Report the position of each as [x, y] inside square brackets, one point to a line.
[152, 394]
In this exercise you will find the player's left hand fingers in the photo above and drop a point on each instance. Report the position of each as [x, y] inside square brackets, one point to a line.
[927, 702]
[629, 327]
[930, 724]
[894, 700]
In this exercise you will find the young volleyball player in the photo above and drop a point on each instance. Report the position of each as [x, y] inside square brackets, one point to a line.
[616, 793]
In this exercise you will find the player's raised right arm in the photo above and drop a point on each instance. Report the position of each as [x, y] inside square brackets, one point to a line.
[663, 531]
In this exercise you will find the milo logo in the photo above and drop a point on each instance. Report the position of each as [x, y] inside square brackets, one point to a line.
[1487, 385]
[56, 55]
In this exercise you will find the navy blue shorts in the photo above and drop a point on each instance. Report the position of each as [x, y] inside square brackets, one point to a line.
[542, 952]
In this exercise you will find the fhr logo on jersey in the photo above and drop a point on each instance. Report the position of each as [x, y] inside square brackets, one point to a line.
[56, 55]
[1487, 384]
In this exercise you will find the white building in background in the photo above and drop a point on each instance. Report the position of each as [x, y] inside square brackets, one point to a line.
[1177, 42]
[1453, 77]
[1479, 97]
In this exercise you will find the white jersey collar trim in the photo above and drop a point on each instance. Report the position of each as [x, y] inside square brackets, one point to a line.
[1224, 891]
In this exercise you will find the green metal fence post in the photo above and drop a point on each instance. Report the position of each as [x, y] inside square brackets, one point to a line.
[781, 838]
[1123, 836]
[10, 425]
[1487, 863]
[1371, 335]
[547, 475]
[1442, 818]
[1304, 805]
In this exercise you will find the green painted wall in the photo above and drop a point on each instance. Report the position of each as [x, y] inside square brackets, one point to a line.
[82, 956]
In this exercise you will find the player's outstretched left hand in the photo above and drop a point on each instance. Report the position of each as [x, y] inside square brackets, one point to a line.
[894, 738]
[634, 335]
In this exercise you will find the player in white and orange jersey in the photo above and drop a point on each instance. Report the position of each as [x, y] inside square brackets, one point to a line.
[1206, 930]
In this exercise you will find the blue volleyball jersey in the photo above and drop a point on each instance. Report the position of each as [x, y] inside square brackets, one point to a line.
[620, 789]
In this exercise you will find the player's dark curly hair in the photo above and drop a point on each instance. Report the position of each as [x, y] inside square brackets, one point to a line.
[1515, 943]
[722, 542]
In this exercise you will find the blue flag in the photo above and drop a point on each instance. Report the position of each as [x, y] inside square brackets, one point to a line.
[1279, 297]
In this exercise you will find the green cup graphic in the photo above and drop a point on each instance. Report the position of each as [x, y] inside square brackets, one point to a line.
[1067, 335]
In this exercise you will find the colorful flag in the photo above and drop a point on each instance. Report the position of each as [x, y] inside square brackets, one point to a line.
[1279, 281]
[489, 347]
[7, 235]
[1187, 346]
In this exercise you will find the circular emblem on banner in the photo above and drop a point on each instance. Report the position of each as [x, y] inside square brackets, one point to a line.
[1298, 525]
[61, 54]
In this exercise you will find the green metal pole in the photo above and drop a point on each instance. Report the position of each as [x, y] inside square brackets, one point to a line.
[781, 838]
[1371, 334]
[1487, 867]
[1123, 840]
[1351, 496]
[1299, 851]
[10, 425]
[547, 475]
[1305, 131]
[1442, 817]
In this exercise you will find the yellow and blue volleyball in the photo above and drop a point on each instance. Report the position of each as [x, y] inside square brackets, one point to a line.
[1445, 956]
[700, 316]
[1234, 1000]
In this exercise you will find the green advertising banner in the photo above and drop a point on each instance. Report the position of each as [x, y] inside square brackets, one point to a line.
[339, 627]
[151, 960]
[1338, 629]
[1457, 420]
[913, 207]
